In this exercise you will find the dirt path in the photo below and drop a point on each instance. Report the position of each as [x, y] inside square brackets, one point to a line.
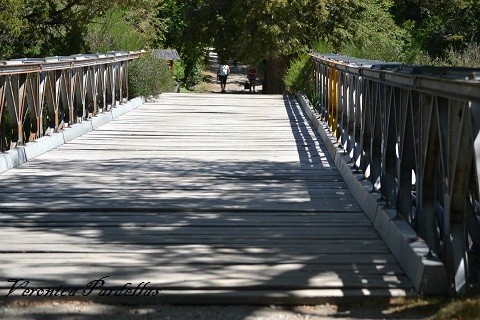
[235, 82]
[90, 311]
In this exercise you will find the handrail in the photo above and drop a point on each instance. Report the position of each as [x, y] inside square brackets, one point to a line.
[26, 65]
[413, 131]
[60, 90]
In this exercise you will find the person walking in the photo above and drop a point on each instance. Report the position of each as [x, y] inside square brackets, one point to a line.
[252, 77]
[222, 74]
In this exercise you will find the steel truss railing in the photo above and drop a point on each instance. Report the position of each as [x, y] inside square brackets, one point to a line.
[58, 90]
[414, 134]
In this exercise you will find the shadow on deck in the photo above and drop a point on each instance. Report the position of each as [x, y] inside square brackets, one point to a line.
[198, 230]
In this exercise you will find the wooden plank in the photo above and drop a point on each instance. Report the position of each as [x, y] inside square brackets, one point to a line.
[180, 203]
[64, 244]
[91, 223]
[182, 281]
[181, 218]
[148, 237]
[192, 213]
[337, 195]
[213, 241]
[220, 258]
[67, 267]
[258, 231]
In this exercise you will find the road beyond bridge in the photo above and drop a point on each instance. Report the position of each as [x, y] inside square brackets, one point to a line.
[192, 199]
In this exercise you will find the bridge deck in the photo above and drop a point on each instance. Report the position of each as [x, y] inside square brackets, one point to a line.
[210, 198]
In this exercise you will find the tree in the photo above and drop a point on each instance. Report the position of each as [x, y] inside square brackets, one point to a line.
[186, 30]
[369, 31]
[274, 31]
[438, 25]
[124, 28]
[11, 25]
[54, 27]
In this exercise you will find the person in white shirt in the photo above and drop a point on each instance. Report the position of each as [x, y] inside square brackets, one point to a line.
[222, 75]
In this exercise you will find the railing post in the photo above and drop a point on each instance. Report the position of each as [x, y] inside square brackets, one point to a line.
[389, 157]
[3, 141]
[406, 202]
[16, 96]
[357, 130]
[473, 204]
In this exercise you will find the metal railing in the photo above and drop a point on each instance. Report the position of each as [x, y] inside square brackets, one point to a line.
[38, 95]
[414, 133]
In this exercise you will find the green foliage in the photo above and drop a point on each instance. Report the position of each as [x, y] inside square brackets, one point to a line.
[272, 29]
[179, 71]
[6, 125]
[193, 77]
[468, 57]
[184, 33]
[11, 25]
[439, 24]
[252, 31]
[149, 76]
[375, 34]
[118, 30]
[38, 28]
[193, 70]
[299, 77]
[323, 47]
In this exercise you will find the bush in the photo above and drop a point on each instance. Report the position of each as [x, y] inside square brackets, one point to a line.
[299, 77]
[188, 72]
[149, 76]
[468, 57]
[114, 32]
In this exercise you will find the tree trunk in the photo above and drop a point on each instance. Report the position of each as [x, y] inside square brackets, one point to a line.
[274, 71]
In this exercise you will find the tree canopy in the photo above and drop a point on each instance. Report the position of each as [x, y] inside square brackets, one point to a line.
[248, 30]
[252, 30]
[55, 27]
[438, 25]
[264, 30]
[11, 24]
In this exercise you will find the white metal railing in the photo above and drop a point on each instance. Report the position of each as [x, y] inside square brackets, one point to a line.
[414, 132]
[58, 90]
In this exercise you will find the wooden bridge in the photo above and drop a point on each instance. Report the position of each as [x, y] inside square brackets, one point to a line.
[210, 198]
[204, 198]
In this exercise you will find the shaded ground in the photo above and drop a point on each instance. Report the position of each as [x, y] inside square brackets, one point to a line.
[399, 308]
[89, 310]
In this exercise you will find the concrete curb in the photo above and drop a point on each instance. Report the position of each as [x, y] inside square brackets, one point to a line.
[31, 150]
[427, 276]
